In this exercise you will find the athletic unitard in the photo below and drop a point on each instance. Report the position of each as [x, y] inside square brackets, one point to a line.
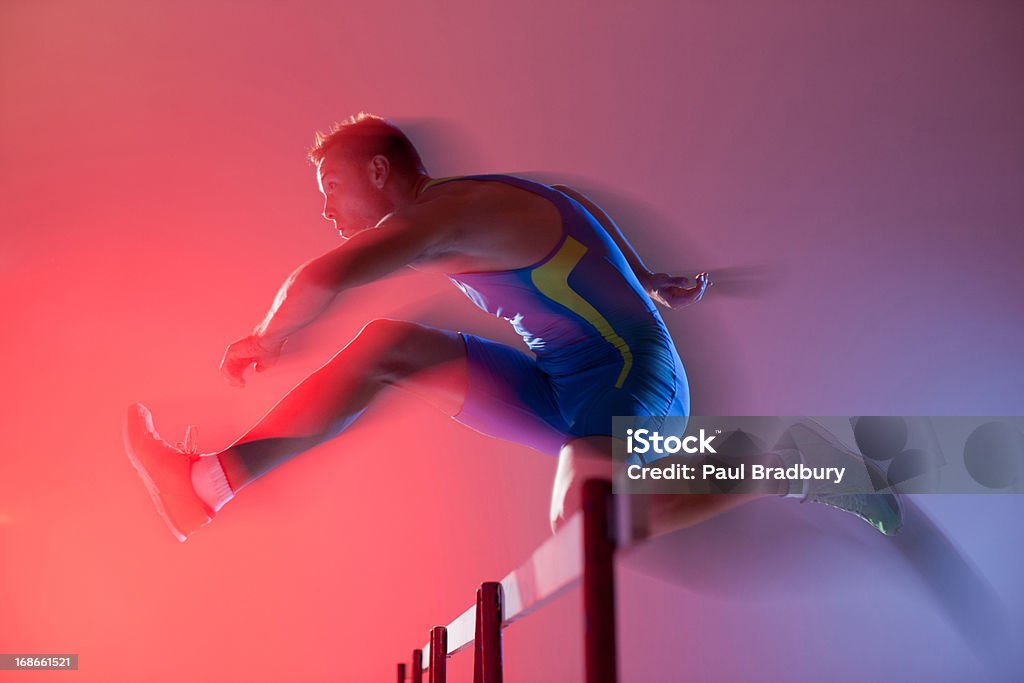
[600, 348]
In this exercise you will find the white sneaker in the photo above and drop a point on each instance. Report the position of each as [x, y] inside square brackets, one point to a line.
[166, 471]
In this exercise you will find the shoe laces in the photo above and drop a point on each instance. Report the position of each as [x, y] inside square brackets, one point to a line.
[189, 445]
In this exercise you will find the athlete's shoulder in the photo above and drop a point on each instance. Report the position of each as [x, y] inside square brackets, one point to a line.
[471, 202]
[487, 225]
[448, 207]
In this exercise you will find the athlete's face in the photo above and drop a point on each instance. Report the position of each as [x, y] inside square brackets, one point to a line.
[354, 197]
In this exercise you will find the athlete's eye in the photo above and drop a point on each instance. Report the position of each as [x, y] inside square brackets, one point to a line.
[331, 185]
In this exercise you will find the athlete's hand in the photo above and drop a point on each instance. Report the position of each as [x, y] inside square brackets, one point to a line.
[242, 354]
[676, 291]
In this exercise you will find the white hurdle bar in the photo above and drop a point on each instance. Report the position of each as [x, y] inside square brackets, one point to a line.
[582, 550]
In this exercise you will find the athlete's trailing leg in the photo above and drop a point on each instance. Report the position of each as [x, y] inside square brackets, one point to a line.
[591, 457]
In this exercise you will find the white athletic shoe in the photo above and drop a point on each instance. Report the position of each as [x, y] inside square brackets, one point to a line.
[166, 471]
[817, 447]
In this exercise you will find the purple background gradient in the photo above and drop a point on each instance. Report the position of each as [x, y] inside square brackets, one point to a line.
[852, 173]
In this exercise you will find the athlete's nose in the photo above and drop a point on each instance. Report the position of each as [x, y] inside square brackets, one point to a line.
[328, 212]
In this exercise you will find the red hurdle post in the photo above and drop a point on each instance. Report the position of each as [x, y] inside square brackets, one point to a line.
[417, 666]
[401, 673]
[438, 654]
[487, 647]
[598, 583]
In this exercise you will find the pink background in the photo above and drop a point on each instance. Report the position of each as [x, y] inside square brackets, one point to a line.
[851, 172]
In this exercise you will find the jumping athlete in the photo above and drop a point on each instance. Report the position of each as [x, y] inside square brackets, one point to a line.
[544, 258]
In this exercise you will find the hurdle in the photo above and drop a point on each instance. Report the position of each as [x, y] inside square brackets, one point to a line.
[582, 553]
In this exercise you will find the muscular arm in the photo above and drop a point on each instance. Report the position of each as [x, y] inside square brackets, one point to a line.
[400, 240]
[309, 291]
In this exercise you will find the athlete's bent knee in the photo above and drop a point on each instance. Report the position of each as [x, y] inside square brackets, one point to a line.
[395, 348]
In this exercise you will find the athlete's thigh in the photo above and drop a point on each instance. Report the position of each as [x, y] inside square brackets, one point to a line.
[426, 361]
[590, 457]
[508, 397]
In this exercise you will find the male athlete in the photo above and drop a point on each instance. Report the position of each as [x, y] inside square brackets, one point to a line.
[542, 257]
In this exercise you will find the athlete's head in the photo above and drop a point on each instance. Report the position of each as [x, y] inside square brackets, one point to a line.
[364, 165]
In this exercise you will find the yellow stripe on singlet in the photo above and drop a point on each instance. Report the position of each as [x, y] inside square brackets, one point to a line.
[552, 280]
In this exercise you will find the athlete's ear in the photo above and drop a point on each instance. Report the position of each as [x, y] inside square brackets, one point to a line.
[380, 169]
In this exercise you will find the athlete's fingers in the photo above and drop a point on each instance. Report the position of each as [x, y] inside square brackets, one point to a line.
[242, 354]
[234, 371]
[234, 364]
[680, 296]
[674, 291]
[700, 289]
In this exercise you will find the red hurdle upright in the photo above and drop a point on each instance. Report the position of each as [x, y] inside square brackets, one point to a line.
[438, 654]
[417, 666]
[487, 647]
[583, 550]
[598, 583]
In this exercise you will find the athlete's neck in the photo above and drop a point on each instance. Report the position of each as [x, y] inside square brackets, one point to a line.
[420, 185]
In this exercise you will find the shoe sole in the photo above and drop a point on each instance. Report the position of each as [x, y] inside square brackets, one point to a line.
[874, 474]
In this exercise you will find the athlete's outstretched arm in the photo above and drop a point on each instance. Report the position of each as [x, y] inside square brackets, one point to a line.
[311, 288]
[668, 290]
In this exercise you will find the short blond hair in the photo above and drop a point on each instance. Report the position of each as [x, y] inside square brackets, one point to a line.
[362, 137]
